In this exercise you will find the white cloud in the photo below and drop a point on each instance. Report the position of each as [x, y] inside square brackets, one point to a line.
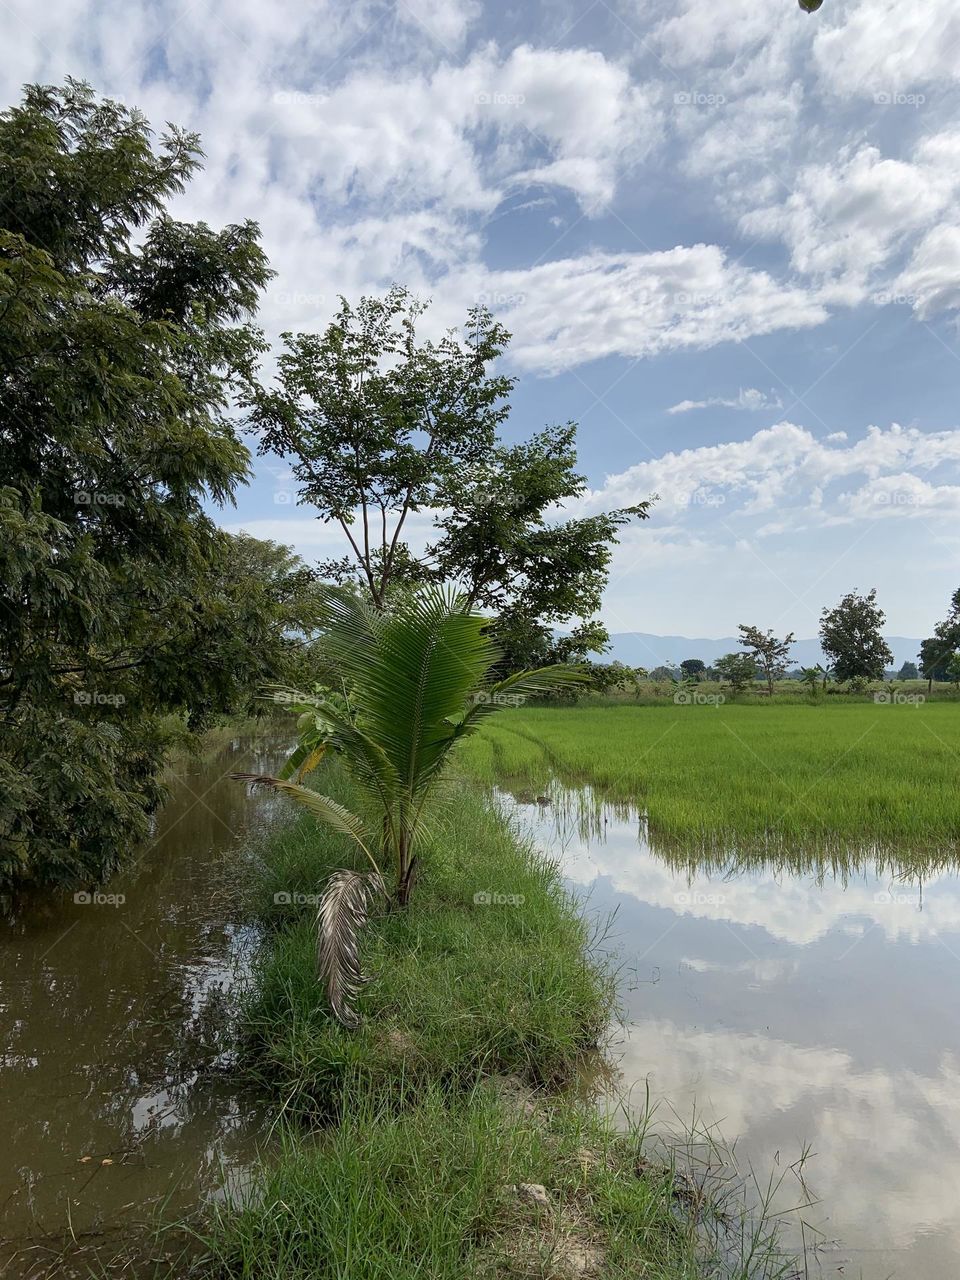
[747, 398]
[572, 310]
[788, 468]
[877, 46]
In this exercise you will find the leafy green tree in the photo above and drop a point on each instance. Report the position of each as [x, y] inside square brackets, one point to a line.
[810, 6]
[738, 670]
[661, 674]
[693, 668]
[811, 678]
[936, 651]
[379, 426]
[418, 678]
[908, 672]
[851, 635]
[953, 670]
[122, 332]
[770, 654]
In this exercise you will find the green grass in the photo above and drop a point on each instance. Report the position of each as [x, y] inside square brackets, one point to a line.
[428, 1193]
[402, 1142]
[462, 989]
[743, 778]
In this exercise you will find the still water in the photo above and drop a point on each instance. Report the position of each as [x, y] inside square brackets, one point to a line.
[113, 1101]
[812, 1006]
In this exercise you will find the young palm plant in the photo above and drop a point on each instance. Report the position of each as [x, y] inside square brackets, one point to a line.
[417, 679]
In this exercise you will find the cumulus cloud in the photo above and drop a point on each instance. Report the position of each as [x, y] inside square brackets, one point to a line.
[746, 398]
[788, 468]
[565, 312]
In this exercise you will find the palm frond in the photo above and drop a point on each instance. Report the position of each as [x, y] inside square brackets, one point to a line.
[516, 689]
[342, 912]
[328, 811]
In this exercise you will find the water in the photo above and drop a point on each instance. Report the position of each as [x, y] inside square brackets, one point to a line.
[789, 1008]
[113, 1101]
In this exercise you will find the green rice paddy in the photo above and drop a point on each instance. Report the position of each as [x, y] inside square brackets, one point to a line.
[876, 777]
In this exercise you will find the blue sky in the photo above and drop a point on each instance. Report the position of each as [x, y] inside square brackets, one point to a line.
[724, 234]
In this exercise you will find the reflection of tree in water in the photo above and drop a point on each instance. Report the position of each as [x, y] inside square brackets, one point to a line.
[114, 1020]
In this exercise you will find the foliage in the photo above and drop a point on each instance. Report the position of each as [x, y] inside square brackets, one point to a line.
[417, 679]
[937, 650]
[770, 654]
[953, 670]
[455, 995]
[738, 670]
[380, 426]
[908, 672]
[851, 635]
[693, 668]
[811, 677]
[122, 334]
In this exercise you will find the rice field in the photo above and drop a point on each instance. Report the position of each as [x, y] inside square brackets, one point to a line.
[875, 777]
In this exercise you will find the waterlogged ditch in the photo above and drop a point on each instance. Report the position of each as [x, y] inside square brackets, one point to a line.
[801, 1004]
[113, 1103]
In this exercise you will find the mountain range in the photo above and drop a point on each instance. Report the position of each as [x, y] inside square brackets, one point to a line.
[641, 649]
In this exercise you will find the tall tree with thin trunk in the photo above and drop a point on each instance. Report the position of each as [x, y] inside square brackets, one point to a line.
[770, 654]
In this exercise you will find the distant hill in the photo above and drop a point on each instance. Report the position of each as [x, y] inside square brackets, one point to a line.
[640, 649]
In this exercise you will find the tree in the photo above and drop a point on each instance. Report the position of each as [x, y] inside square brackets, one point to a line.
[693, 668]
[380, 426]
[770, 654]
[953, 670]
[737, 670]
[908, 672]
[811, 678]
[851, 635]
[661, 674]
[122, 333]
[810, 6]
[418, 679]
[936, 651]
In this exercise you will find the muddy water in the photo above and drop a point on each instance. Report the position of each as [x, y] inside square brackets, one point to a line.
[113, 1101]
[792, 1006]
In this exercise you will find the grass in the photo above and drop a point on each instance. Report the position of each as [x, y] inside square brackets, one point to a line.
[742, 778]
[432, 1191]
[403, 1144]
[462, 988]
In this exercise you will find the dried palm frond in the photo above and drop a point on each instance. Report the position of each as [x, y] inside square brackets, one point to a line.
[343, 911]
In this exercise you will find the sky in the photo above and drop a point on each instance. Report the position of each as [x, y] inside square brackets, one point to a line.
[725, 235]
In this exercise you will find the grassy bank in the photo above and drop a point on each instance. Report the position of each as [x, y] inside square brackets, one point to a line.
[407, 1145]
[464, 987]
[737, 776]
